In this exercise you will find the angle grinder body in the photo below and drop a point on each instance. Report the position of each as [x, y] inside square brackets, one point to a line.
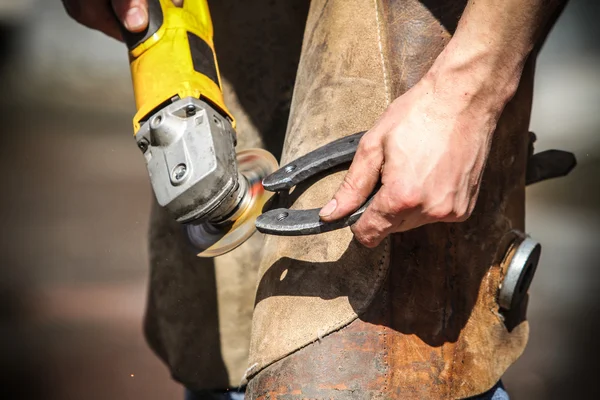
[187, 134]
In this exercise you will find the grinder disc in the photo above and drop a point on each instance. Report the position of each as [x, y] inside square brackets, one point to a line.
[215, 239]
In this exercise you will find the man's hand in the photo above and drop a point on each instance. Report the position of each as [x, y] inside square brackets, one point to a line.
[97, 14]
[430, 147]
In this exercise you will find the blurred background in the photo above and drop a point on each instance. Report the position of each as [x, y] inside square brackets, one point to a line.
[76, 199]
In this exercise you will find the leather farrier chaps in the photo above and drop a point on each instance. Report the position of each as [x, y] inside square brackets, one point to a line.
[418, 317]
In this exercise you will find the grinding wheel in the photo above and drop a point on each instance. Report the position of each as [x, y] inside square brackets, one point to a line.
[213, 239]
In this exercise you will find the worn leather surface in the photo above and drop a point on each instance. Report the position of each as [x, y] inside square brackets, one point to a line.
[199, 311]
[331, 319]
[310, 286]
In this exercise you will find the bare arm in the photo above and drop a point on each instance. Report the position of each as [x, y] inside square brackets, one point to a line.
[494, 39]
[431, 145]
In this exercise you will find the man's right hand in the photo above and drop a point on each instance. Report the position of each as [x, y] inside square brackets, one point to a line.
[96, 14]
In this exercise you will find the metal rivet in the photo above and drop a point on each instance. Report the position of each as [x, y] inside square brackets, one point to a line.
[143, 145]
[282, 216]
[190, 110]
[179, 172]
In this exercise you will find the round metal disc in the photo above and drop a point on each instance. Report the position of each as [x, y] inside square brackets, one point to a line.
[213, 239]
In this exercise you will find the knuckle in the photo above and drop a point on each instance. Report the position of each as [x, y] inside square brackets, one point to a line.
[370, 231]
[367, 240]
[449, 212]
[367, 144]
[461, 218]
[410, 197]
[349, 184]
[463, 214]
[441, 212]
[393, 202]
[370, 243]
[396, 205]
[366, 147]
[369, 153]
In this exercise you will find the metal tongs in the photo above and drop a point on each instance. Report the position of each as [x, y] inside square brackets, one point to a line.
[285, 222]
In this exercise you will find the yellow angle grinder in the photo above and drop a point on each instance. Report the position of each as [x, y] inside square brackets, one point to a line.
[186, 132]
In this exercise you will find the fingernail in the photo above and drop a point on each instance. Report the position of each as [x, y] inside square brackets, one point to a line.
[135, 19]
[328, 209]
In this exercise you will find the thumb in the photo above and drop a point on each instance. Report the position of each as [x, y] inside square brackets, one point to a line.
[133, 14]
[360, 180]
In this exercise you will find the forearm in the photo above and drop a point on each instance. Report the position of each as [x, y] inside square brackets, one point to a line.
[491, 44]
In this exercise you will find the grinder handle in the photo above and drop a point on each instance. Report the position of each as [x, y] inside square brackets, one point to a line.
[155, 21]
[174, 58]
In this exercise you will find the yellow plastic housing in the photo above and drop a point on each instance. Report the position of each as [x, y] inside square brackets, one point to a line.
[162, 66]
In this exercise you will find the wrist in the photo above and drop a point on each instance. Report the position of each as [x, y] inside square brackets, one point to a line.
[478, 73]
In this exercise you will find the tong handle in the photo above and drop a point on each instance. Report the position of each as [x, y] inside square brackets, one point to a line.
[322, 159]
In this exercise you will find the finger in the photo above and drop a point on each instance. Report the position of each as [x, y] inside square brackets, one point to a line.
[360, 180]
[73, 8]
[377, 221]
[386, 214]
[133, 14]
[95, 14]
[178, 3]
